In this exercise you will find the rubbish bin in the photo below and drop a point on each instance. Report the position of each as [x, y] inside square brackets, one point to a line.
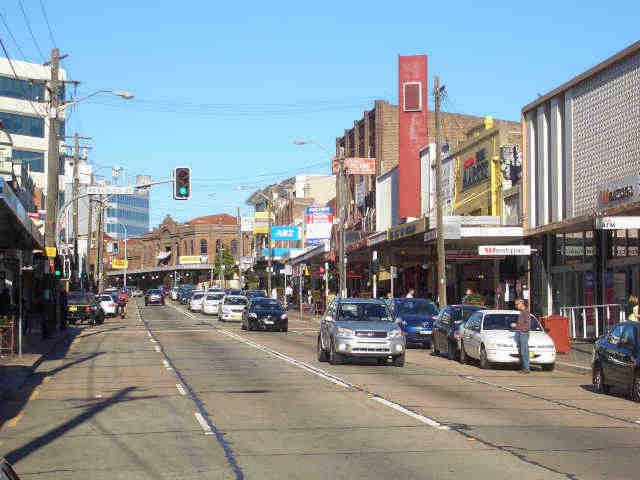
[558, 329]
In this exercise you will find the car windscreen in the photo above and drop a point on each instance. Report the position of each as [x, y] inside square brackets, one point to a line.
[235, 301]
[154, 292]
[197, 296]
[267, 304]
[79, 299]
[363, 312]
[215, 296]
[461, 315]
[507, 321]
[105, 298]
[416, 307]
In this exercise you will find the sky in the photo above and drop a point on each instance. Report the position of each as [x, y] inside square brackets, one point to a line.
[226, 87]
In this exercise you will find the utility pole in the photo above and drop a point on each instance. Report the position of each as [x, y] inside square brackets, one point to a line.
[53, 152]
[100, 248]
[89, 235]
[442, 277]
[342, 211]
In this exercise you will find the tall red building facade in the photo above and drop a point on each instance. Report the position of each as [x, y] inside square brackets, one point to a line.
[412, 130]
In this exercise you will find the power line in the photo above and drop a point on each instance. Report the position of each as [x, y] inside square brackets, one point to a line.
[26, 20]
[24, 57]
[46, 19]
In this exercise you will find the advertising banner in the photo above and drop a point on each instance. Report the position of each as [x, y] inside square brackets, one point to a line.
[277, 253]
[360, 166]
[118, 264]
[318, 230]
[319, 221]
[285, 233]
[192, 259]
[619, 191]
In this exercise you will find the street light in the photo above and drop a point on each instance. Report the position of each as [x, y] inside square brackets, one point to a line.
[342, 211]
[117, 93]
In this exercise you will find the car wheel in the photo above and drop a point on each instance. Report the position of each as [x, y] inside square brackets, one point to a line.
[452, 353]
[398, 361]
[549, 367]
[285, 328]
[427, 345]
[322, 354]
[243, 326]
[334, 357]
[249, 325]
[635, 388]
[146, 304]
[598, 380]
[463, 355]
[382, 360]
[484, 361]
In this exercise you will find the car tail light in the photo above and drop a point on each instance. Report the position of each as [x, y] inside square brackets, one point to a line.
[88, 309]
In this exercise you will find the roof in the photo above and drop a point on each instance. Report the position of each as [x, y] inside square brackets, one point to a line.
[589, 73]
[220, 218]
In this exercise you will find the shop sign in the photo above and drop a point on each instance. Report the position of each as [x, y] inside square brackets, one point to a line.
[406, 230]
[119, 264]
[377, 238]
[360, 166]
[503, 250]
[285, 233]
[476, 169]
[619, 191]
[192, 259]
[617, 223]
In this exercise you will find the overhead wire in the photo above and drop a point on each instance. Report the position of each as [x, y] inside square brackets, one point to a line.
[26, 20]
[46, 19]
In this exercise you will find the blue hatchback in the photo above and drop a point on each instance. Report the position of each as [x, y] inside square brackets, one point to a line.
[416, 317]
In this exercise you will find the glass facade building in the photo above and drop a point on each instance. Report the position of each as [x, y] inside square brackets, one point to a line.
[132, 211]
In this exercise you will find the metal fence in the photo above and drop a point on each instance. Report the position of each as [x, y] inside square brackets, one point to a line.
[588, 322]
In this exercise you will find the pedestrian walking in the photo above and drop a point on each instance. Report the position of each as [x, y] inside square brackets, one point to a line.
[523, 326]
[410, 293]
[631, 309]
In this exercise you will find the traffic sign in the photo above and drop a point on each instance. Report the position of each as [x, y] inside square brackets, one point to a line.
[110, 190]
[502, 250]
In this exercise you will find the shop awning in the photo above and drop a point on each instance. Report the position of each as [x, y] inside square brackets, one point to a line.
[17, 230]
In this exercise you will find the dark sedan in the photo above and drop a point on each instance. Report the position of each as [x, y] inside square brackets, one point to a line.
[82, 307]
[446, 326]
[616, 362]
[415, 316]
[265, 314]
[154, 296]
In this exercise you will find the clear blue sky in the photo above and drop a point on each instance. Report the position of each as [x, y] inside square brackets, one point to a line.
[226, 87]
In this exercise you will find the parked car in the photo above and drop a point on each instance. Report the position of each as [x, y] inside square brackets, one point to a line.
[616, 362]
[360, 327]
[185, 295]
[83, 307]
[254, 294]
[211, 303]
[232, 308]
[154, 297]
[265, 314]
[446, 329]
[490, 337]
[138, 293]
[415, 316]
[195, 302]
[108, 305]
[233, 291]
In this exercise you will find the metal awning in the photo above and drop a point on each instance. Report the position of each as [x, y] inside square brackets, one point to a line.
[17, 230]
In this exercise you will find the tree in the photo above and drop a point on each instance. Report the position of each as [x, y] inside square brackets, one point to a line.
[225, 258]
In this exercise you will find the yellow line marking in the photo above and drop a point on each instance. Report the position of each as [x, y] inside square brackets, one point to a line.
[14, 421]
[34, 394]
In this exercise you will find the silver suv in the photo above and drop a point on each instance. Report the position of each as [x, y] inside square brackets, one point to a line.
[360, 327]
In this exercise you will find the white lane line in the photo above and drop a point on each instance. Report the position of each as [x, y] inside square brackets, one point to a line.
[181, 389]
[203, 424]
[157, 348]
[417, 416]
[337, 380]
[484, 382]
[574, 366]
[153, 341]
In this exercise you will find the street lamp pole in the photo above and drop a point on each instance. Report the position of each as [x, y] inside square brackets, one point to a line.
[126, 258]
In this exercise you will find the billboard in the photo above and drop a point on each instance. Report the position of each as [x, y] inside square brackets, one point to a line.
[285, 233]
[319, 222]
[360, 166]
[193, 259]
[119, 264]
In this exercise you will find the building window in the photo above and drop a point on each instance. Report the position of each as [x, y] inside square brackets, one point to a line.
[23, 124]
[34, 161]
[191, 247]
[412, 96]
[22, 89]
[185, 250]
[203, 247]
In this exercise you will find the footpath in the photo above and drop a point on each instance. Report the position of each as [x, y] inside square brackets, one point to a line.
[578, 360]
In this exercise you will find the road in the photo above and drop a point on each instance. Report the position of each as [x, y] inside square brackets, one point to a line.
[170, 394]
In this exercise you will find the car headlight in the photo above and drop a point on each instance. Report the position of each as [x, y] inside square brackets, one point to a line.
[253, 315]
[395, 333]
[345, 332]
[283, 316]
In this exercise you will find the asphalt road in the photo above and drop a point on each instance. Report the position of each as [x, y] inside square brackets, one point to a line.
[177, 395]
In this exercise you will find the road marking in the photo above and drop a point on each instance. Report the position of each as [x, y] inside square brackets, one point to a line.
[157, 348]
[574, 366]
[14, 421]
[153, 341]
[34, 394]
[166, 365]
[181, 389]
[203, 424]
[336, 380]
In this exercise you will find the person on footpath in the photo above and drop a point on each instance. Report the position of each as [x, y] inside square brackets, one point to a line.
[410, 293]
[523, 326]
[631, 309]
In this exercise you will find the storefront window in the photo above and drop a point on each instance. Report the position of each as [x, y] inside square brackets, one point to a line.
[589, 244]
[574, 248]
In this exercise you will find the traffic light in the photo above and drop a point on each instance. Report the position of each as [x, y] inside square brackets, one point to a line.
[58, 266]
[115, 247]
[182, 183]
